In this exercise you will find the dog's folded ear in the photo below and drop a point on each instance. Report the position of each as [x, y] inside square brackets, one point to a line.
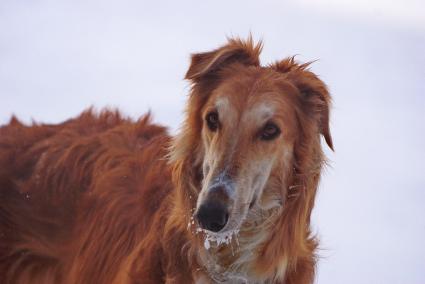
[315, 98]
[208, 63]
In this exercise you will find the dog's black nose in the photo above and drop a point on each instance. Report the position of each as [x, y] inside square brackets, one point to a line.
[212, 216]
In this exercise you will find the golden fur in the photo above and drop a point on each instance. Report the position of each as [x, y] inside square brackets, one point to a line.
[105, 199]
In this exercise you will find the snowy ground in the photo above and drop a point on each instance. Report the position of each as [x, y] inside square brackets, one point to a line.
[59, 57]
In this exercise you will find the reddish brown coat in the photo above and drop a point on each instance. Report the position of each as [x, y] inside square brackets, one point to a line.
[96, 200]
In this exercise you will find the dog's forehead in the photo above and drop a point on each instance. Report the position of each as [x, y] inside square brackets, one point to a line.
[222, 102]
[260, 107]
[251, 88]
[252, 98]
[260, 110]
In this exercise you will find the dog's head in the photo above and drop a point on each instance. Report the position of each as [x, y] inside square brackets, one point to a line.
[245, 129]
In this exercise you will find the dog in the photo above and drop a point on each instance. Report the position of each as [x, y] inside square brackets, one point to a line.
[102, 198]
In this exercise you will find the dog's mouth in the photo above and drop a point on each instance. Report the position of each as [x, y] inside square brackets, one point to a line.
[221, 211]
[218, 239]
[221, 224]
[220, 217]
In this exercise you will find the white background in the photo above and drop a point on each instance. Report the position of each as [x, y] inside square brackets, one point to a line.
[59, 57]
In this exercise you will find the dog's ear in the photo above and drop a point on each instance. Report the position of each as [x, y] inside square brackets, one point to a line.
[208, 63]
[315, 98]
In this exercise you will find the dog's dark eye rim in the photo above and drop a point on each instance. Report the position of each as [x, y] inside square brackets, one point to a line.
[270, 131]
[212, 120]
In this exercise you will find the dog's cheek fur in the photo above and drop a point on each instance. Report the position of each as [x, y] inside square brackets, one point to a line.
[311, 106]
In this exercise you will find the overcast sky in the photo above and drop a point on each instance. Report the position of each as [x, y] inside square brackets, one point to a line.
[59, 57]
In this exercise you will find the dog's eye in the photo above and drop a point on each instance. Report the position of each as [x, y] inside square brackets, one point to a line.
[270, 131]
[212, 120]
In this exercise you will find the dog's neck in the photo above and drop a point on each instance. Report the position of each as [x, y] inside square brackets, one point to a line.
[232, 261]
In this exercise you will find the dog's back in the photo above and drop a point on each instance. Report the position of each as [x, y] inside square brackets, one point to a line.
[75, 198]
